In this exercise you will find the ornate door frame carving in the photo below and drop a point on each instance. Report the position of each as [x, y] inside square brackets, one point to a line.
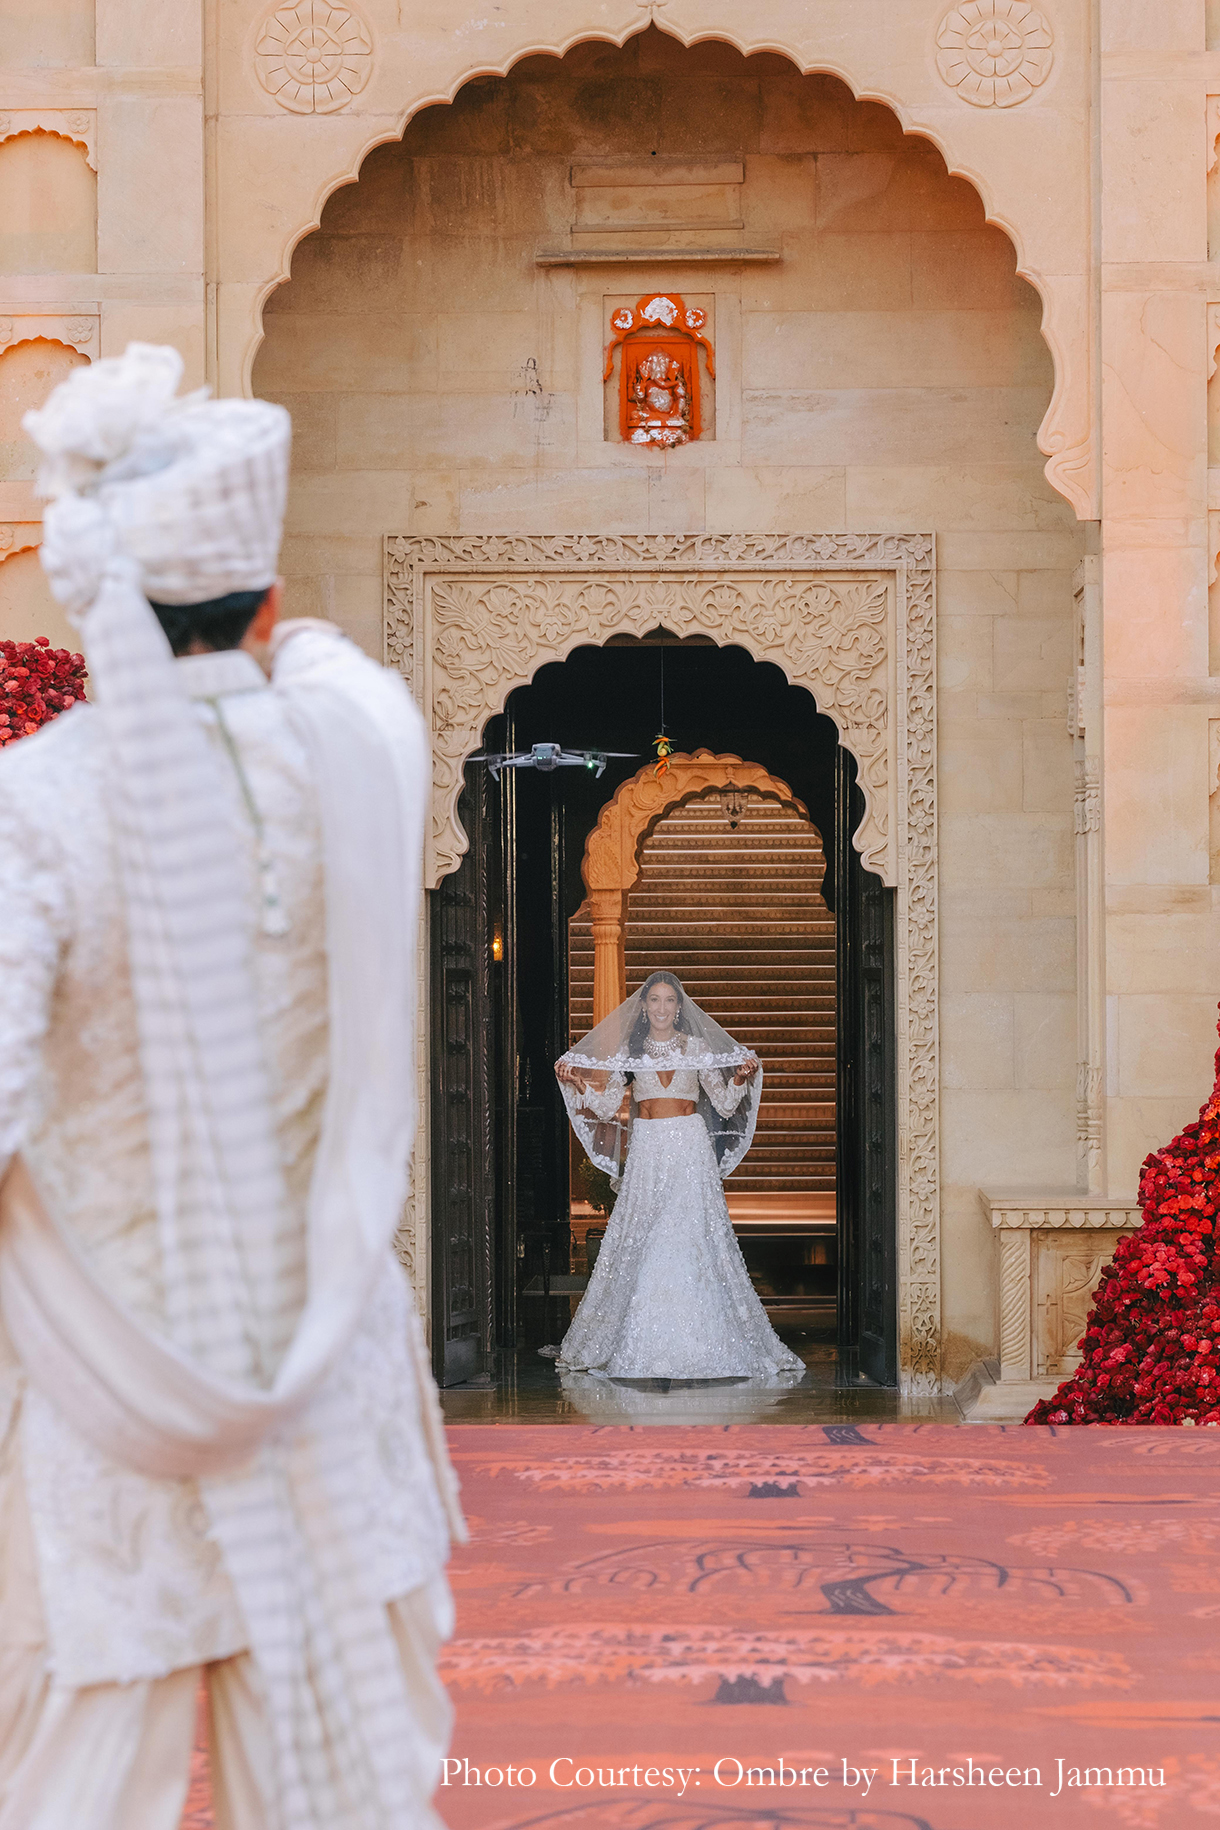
[851, 617]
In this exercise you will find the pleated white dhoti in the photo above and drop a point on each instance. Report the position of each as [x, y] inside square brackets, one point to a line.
[117, 1756]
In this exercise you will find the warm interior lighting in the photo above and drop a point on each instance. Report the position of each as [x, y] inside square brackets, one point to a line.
[497, 943]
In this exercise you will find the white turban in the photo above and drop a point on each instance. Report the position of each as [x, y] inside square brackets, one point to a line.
[191, 489]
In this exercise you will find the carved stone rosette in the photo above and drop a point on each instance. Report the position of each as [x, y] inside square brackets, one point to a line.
[850, 617]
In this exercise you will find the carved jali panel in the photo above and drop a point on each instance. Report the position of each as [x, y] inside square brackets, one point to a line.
[848, 616]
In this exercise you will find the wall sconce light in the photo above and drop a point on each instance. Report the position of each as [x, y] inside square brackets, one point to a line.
[497, 942]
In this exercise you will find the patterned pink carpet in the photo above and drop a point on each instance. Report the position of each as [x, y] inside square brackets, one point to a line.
[887, 1627]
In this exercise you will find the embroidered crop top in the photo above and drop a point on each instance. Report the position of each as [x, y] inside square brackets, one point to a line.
[684, 1083]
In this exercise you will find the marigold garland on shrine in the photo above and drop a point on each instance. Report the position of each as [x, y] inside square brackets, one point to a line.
[1152, 1340]
[37, 683]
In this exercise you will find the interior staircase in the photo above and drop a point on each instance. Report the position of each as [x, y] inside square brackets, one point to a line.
[738, 915]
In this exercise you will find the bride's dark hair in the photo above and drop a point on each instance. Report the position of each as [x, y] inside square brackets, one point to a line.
[641, 1027]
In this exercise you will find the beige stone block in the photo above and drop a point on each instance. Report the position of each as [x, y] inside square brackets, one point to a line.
[963, 657]
[355, 273]
[309, 595]
[832, 273]
[976, 1040]
[150, 185]
[962, 593]
[1164, 1046]
[1044, 1040]
[676, 502]
[804, 114]
[27, 608]
[1024, 1135]
[467, 431]
[135, 36]
[1011, 708]
[1156, 612]
[127, 321]
[966, 270]
[979, 766]
[48, 206]
[326, 555]
[1013, 551]
[1000, 848]
[1165, 952]
[1155, 446]
[1002, 951]
[1155, 792]
[907, 189]
[28, 372]
[357, 605]
[49, 34]
[313, 430]
[1152, 204]
[779, 195]
[1035, 652]
[868, 426]
[776, 498]
[371, 429]
[554, 501]
[871, 349]
[949, 497]
[1046, 766]
[494, 352]
[349, 501]
[330, 354]
[1129, 25]
[436, 502]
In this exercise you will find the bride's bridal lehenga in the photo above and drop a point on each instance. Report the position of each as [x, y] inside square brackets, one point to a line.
[661, 1097]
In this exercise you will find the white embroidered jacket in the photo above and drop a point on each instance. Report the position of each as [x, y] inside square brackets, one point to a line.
[132, 1586]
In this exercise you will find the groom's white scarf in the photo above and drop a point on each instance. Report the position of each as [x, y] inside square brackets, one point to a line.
[181, 502]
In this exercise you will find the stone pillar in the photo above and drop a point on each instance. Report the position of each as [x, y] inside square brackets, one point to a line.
[609, 965]
[1162, 927]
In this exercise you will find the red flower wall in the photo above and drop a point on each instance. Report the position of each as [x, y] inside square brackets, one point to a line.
[1152, 1340]
[37, 682]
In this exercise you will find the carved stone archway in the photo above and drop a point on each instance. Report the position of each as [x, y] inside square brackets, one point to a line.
[850, 617]
[611, 862]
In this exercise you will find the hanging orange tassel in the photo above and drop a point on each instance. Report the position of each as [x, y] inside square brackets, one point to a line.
[665, 747]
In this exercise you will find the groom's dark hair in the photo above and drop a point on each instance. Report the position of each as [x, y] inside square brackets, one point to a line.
[222, 622]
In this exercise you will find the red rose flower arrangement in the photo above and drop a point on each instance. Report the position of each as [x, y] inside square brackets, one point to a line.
[37, 683]
[1152, 1339]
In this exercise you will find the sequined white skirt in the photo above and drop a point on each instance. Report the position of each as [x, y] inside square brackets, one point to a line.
[670, 1297]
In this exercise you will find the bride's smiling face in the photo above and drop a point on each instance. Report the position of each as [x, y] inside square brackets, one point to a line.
[661, 1006]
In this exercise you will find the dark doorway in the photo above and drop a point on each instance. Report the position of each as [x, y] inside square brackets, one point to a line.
[502, 1191]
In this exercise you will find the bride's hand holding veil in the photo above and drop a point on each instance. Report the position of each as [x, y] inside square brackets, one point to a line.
[580, 1079]
[746, 1071]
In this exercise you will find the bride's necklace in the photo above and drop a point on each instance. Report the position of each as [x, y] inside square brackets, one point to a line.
[663, 1050]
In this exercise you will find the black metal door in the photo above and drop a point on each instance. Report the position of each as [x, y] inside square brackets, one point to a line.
[463, 1164]
[867, 1157]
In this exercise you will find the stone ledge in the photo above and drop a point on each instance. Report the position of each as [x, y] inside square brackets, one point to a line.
[1027, 1208]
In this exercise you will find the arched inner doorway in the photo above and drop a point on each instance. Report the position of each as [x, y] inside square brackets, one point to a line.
[506, 930]
[722, 872]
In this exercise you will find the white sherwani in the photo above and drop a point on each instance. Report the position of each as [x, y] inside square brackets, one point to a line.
[132, 1586]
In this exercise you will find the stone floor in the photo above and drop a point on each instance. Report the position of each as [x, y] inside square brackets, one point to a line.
[528, 1389]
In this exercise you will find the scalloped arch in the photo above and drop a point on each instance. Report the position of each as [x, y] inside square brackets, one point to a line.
[612, 849]
[1065, 433]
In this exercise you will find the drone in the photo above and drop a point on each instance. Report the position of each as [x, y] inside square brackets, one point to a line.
[548, 756]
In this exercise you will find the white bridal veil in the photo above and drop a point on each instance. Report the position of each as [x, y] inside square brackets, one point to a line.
[618, 1049]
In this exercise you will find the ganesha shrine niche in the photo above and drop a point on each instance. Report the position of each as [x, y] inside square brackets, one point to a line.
[659, 340]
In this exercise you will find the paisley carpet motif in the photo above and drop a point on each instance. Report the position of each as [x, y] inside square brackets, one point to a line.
[640, 1604]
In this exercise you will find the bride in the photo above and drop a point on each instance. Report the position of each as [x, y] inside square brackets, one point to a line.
[670, 1297]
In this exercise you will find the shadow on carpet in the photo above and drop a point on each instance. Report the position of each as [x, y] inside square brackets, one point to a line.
[884, 1626]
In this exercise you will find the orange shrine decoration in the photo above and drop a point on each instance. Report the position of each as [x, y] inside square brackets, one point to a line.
[659, 372]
